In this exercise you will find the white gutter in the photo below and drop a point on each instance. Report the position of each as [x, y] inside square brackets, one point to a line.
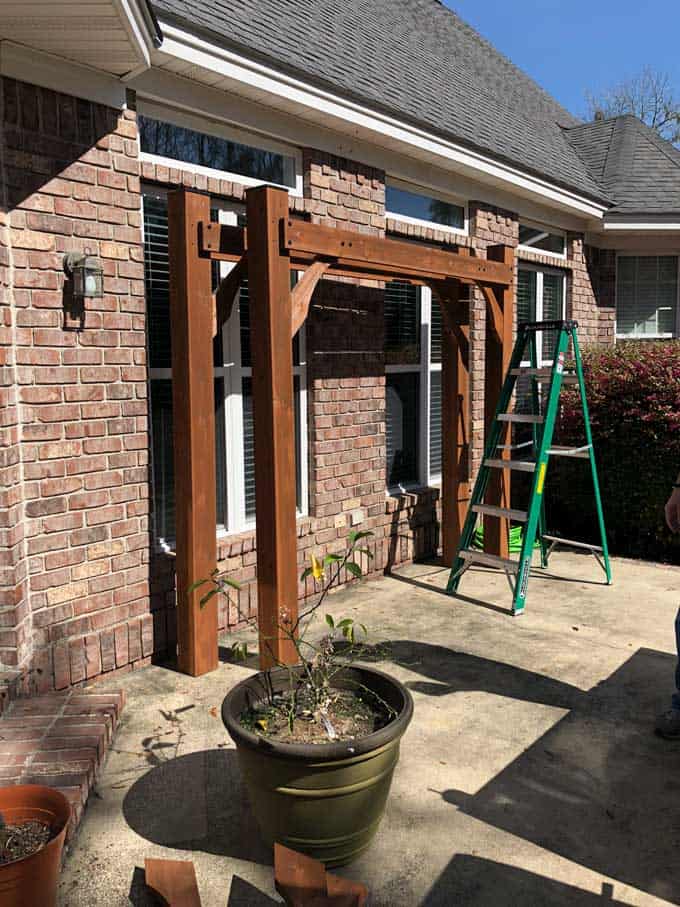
[311, 103]
[655, 226]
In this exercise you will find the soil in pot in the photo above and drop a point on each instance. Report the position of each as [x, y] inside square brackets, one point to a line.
[347, 715]
[23, 839]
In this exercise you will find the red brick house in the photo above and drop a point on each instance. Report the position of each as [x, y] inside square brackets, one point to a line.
[394, 118]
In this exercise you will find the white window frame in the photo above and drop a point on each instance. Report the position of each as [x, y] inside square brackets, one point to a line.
[424, 370]
[232, 373]
[540, 270]
[658, 336]
[555, 231]
[219, 128]
[431, 193]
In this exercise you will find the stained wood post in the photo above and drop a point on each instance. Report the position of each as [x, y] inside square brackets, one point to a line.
[193, 401]
[498, 351]
[274, 423]
[455, 377]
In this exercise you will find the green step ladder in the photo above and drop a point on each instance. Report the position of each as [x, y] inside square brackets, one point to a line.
[541, 449]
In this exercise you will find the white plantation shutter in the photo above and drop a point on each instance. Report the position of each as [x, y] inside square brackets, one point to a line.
[646, 295]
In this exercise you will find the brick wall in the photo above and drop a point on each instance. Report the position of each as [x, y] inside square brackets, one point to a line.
[77, 406]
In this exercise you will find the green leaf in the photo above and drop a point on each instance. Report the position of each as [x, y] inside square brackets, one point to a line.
[332, 558]
[208, 595]
[329, 621]
[366, 551]
[194, 586]
[227, 581]
[305, 573]
[354, 569]
[363, 627]
[346, 622]
[356, 536]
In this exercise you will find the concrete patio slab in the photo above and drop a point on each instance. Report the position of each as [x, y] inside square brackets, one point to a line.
[529, 775]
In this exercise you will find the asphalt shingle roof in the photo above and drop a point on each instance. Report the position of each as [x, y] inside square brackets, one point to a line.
[415, 59]
[632, 163]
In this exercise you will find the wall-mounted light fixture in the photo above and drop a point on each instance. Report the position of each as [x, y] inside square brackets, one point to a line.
[87, 274]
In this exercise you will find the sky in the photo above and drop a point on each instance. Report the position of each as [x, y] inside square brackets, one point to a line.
[572, 46]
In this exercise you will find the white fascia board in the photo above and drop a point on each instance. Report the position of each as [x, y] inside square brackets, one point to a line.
[313, 103]
[136, 24]
[38, 68]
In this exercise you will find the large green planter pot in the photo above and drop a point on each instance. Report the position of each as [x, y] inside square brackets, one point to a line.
[325, 800]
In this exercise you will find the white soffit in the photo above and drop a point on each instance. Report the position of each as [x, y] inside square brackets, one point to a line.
[193, 58]
[108, 35]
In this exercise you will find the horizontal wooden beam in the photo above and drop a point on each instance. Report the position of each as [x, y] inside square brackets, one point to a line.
[352, 254]
[374, 251]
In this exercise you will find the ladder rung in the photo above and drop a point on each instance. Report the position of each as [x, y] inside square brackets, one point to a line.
[534, 372]
[521, 465]
[572, 544]
[560, 451]
[514, 446]
[492, 510]
[489, 560]
[530, 418]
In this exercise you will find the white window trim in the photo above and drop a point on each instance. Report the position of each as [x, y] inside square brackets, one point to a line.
[657, 336]
[560, 256]
[232, 373]
[540, 270]
[432, 193]
[424, 370]
[223, 130]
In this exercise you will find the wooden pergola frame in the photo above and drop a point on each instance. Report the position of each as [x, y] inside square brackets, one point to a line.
[272, 245]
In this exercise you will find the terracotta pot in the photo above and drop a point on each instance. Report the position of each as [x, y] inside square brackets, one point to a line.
[32, 881]
[325, 800]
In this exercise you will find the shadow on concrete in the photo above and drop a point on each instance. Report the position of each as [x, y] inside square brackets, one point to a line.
[598, 788]
[243, 894]
[454, 672]
[430, 587]
[474, 881]
[196, 802]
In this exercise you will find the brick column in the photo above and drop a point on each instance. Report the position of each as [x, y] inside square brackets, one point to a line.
[77, 404]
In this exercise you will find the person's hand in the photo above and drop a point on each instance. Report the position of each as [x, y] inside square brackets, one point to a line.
[672, 511]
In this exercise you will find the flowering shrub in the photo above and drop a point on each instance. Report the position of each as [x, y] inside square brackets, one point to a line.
[633, 394]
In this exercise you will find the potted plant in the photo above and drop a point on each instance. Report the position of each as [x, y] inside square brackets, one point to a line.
[33, 823]
[318, 741]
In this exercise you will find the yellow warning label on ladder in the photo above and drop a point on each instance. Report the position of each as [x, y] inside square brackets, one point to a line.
[541, 478]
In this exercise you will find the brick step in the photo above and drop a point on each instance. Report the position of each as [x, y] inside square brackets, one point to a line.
[59, 739]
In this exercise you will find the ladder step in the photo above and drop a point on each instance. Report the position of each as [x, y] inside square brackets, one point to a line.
[534, 372]
[560, 451]
[489, 560]
[572, 544]
[491, 510]
[530, 418]
[521, 465]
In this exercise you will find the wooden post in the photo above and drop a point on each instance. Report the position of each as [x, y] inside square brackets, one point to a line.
[498, 350]
[455, 379]
[193, 401]
[273, 412]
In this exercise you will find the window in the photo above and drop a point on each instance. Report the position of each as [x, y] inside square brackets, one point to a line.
[413, 206]
[541, 296]
[174, 136]
[535, 238]
[647, 296]
[413, 386]
[235, 476]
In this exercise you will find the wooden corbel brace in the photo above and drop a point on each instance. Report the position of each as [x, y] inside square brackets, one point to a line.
[495, 309]
[303, 291]
[225, 294]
